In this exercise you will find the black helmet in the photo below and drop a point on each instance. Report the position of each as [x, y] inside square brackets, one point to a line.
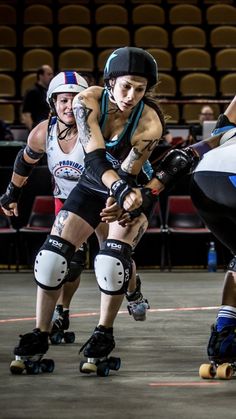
[132, 61]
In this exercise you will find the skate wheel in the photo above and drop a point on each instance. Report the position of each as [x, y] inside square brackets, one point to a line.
[47, 365]
[103, 369]
[69, 337]
[114, 363]
[87, 367]
[32, 367]
[56, 338]
[17, 367]
[207, 371]
[224, 371]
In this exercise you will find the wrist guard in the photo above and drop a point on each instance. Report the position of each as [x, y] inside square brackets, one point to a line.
[175, 164]
[119, 189]
[149, 199]
[11, 195]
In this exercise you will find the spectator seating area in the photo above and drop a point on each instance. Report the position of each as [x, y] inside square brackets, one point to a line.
[193, 42]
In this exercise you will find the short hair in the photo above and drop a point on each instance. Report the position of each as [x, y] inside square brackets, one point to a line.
[40, 72]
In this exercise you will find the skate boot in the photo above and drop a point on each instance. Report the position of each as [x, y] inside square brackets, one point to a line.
[61, 323]
[137, 306]
[222, 354]
[96, 350]
[29, 354]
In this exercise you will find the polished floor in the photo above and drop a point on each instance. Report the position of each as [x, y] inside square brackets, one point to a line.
[160, 358]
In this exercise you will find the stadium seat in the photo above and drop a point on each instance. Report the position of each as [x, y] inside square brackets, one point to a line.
[7, 60]
[35, 58]
[75, 36]
[188, 37]
[7, 113]
[166, 85]
[185, 14]
[8, 87]
[74, 14]
[38, 14]
[225, 60]
[197, 84]
[8, 37]
[223, 37]
[111, 14]
[76, 59]
[37, 36]
[27, 82]
[193, 59]
[148, 14]
[151, 36]
[221, 14]
[228, 85]
[191, 112]
[163, 58]
[7, 14]
[112, 36]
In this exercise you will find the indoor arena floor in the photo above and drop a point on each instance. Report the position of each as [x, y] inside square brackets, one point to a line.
[160, 357]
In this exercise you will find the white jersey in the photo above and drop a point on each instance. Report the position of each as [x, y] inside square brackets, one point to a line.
[220, 159]
[66, 168]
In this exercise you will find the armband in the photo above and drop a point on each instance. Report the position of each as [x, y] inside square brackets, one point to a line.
[176, 163]
[21, 167]
[11, 195]
[201, 148]
[96, 163]
[33, 154]
[119, 189]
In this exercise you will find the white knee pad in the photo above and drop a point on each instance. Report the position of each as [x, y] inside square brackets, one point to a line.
[52, 261]
[113, 267]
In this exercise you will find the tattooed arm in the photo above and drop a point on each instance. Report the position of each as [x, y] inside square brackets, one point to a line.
[144, 142]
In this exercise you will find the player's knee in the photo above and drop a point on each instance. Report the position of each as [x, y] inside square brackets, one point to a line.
[77, 264]
[113, 267]
[232, 265]
[52, 261]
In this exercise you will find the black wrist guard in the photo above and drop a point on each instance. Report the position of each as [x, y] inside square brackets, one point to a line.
[119, 189]
[12, 194]
[149, 199]
[175, 164]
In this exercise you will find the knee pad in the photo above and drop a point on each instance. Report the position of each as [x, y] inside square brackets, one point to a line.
[113, 267]
[77, 264]
[52, 262]
[232, 265]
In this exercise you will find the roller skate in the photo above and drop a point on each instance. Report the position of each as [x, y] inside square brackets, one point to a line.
[96, 350]
[138, 305]
[221, 353]
[61, 324]
[29, 354]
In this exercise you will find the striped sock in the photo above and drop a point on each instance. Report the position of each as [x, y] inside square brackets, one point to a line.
[226, 317]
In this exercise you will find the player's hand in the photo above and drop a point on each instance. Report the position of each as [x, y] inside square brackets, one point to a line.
[112, 212]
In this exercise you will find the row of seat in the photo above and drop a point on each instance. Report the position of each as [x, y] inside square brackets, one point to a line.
[116, 35]
[190, 85]
[148, 36]
[180, 14]
[187, 113]
[187, 59]
[179, 220]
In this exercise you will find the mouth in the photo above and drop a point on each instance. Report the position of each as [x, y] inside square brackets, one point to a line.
[127, 105]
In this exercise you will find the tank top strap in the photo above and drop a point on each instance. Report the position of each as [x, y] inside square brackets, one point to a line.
[103, 108]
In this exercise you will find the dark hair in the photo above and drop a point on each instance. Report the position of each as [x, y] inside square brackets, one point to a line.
[152, 101]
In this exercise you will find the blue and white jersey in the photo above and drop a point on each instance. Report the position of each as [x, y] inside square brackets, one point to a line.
[66, 168]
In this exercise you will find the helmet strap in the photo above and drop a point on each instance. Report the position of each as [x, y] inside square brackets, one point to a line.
[62, 134]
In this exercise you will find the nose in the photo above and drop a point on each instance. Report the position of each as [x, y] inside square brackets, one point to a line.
[131, 94]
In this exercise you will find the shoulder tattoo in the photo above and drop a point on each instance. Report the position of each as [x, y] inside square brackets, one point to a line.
[82, 113]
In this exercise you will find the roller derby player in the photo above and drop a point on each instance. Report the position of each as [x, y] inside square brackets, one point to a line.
[213, 191]
[74, 225]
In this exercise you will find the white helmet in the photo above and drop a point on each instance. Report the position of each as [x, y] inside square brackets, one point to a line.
[66, 82]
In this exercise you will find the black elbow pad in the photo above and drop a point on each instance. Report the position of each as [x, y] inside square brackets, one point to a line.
[96, 163]
[175, 164]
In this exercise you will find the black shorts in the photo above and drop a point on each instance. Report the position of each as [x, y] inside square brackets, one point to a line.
[86, 203]
[214, 196]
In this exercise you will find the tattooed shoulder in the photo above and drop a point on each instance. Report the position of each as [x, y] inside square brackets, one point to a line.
[82, 113]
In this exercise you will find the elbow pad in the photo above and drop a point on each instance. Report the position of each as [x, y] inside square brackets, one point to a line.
[96, 163]
[176, 164]
[21, 167]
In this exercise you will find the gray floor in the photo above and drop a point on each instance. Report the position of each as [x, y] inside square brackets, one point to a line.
[158, 377]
